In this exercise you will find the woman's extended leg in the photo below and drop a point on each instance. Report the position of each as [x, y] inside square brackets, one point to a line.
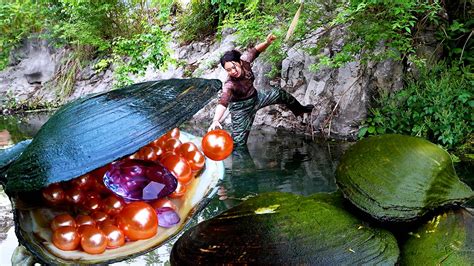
[277, 95]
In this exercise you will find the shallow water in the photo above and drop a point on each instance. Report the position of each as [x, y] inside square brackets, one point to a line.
[276, 160]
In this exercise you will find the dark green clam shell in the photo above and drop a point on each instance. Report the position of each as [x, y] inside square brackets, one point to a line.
[399, 178]
[90, 132]
[9, 155]
[285, 229]
[447, 239]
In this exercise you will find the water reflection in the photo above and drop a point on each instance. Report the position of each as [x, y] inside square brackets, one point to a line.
[20, 127]
[276, 160]
[280, 161]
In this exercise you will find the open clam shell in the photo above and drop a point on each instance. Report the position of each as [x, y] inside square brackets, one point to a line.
[92, 132]
[399, 178]
[285, 229]
[33, 231]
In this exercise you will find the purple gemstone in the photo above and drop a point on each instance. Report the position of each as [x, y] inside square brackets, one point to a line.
[151, 191]
[167, 217]
[140, 180]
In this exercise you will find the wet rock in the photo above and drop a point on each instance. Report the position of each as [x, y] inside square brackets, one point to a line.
[31, 67]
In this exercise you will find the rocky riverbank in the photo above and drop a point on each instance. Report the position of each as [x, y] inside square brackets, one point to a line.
[341, 95]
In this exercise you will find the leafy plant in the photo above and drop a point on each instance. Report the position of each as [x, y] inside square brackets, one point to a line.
[437, 105]
[456, 34]
[199, 22]
[139, 52]
[378, 30]
[258, 19]
[17, 20]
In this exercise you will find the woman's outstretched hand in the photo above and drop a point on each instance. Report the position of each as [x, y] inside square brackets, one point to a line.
[270, 38]
[263, 46]
[214, 125]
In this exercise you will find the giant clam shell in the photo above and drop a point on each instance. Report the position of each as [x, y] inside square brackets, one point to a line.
[89, 133]
[93, 131]
[285, 229]
[399, 178]
[32, 224]
[447, 239]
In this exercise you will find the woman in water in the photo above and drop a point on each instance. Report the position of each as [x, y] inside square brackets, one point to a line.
[243, 100]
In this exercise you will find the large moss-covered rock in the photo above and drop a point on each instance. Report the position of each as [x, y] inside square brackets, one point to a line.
[399, 178]
[448, 239]
[280, 229]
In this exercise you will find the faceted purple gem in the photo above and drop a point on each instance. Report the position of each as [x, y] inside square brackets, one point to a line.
[140, 180]
[167, 217]
[151, 190]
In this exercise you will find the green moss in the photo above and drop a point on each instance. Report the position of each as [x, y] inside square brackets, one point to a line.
[280, 227]
[448, 239]
[399, 178]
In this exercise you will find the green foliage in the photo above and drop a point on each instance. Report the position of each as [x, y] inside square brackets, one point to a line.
[375, 30]
[458, 41]
[255, 20]
[10, 104]
[17, 20]
[226, 7]
[438, 105]
[372, 24]
[205, 17]
[97, 23]
[140, 51]
[199, 21]
[128, 30]
[252, 29]
[83, 23]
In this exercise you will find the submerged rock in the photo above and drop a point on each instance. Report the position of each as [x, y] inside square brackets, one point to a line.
[399, 178]
[447, 239]
[279, 229]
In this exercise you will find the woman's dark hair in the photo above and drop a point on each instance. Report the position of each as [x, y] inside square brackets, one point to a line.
[232, 55]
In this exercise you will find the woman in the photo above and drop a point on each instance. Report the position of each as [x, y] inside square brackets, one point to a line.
[243, 100]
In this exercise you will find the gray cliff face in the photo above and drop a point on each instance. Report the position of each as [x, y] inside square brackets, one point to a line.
[31, 67]
[341, 95]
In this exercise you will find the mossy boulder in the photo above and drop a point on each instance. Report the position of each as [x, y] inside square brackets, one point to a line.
[447, 239]
[399, 178]
[280, 229]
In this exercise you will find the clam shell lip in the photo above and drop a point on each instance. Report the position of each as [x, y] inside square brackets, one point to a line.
[93, 131]
[314, 230]
[397, 178]
[33, 232]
